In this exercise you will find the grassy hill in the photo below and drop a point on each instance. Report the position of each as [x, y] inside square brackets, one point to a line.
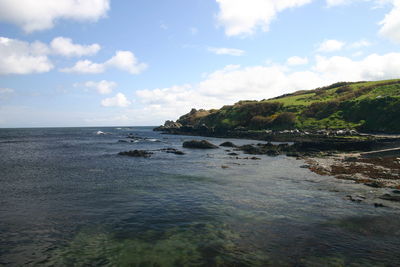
[366, 106]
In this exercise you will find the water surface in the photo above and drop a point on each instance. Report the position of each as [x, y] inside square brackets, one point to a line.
[68, 199]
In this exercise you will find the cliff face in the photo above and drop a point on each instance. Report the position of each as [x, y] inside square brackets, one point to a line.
[365, 106]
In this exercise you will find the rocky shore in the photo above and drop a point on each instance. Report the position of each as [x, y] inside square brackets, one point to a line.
[373, 160]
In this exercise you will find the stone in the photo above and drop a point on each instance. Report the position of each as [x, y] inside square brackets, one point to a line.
[136, 153]
[227, 144]
[203, 144]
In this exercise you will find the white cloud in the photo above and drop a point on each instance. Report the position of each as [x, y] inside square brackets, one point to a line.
[330, 46]
[359, 44]
[194, 30]
[234, 83]
[34, 15]
[226, 51]
[295, 61]
[390, 25]
[119, 100]
[65, 47]
[123, 60]
[243, 17]
[18, 57]
[102, 87]
[6, 91]
[163, 26]
[85, 66]
[332, 3]
[372, 67]
[127, 61]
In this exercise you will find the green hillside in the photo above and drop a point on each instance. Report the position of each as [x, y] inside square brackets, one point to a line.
[366, 106]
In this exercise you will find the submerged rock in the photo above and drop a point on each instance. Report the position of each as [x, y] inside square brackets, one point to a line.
[390, 197]
[203, 144]
[250, 149]
[172, 151]
[136, 153]
[228, 144]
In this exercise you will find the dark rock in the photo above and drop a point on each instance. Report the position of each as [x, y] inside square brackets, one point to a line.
[255, 158]
[305, 166]
[379, 205]
[123, 141]
[203, 144]
[350, 159]
[355, 198]
[374, 184]
[249, 149]
[233, 154]
[224, 167]
[293, 154]
[136, 153]
[172, 151]
[272, 153]
[390, 197]
[396, 191]
[228, 144]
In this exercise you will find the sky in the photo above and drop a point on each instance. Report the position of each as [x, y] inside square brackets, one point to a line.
[72, 63]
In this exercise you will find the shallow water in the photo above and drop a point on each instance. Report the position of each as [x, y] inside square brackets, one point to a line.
[68, 199]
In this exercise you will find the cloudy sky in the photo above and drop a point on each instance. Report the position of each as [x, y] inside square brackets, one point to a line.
[109, 62]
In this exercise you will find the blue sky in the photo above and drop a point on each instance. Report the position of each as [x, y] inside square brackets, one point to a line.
[108, 62]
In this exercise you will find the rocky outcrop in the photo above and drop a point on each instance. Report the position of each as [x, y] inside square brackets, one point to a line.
[169, 125]
[203, 144]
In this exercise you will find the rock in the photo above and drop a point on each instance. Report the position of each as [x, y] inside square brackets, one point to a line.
[249, 149]
[355, 199]
[172, 151]
[390, 197]
[123, 141]
[374, 184]
[255, 158]
[305, 166]
[136, 153]
[293, 154]
[203, 144]
[351, 159]
[168, 125]
[233, 154]
[272, 153]
[379, 205]
[224, 167]
[396, 191]
[227, 144]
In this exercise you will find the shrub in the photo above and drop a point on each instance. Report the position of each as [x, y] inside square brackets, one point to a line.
[320, 110]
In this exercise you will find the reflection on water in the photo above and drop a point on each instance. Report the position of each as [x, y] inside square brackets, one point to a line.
[68, 199]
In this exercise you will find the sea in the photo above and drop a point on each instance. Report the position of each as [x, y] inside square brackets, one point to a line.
[68, 199]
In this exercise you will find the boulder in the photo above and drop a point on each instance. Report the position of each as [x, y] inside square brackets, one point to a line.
[172, 151]
[390, 197]
[136, 153]
[203, 144]
[227, 144]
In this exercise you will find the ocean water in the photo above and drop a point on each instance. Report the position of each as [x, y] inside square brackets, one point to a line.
[68, 199]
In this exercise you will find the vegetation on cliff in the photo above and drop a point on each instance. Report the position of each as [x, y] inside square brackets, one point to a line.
[365, 106]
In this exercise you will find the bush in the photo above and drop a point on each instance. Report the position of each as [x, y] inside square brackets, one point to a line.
[285, 120]
[320, 110]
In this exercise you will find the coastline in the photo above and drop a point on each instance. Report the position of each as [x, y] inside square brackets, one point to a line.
[372, 160]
